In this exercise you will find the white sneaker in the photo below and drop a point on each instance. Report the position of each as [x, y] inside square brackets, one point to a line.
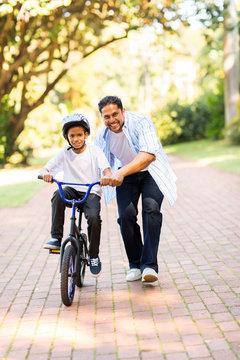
[133, 274]
[149, 275]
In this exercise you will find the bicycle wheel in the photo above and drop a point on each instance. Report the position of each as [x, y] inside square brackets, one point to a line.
[82, 262]
[68, 275]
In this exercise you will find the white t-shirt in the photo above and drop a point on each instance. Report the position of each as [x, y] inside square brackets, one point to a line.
[119, 146]
[83, 168]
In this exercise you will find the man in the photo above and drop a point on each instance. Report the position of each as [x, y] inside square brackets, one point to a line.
[140, 167]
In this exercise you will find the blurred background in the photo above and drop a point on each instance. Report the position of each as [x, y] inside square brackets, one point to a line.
[175, 61]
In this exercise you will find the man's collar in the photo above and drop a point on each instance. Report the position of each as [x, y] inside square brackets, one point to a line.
[106, 132]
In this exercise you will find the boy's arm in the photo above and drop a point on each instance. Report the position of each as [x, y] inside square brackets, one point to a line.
[107, 172]
[46, 175]
[52, 167]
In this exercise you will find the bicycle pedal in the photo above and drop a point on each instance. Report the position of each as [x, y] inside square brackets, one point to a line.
[54, 251]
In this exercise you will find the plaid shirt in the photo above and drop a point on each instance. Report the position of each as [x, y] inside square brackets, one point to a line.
[142, 136]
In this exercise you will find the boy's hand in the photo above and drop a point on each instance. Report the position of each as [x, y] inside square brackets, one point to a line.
[46, 175]
[104, 180]
[47, 178]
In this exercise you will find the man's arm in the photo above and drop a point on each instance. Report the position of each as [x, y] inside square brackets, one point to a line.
[140, 162]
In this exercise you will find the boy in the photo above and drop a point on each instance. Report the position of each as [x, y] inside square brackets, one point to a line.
[80, 163]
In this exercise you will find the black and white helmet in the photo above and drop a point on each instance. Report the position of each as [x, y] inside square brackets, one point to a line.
[75, 119]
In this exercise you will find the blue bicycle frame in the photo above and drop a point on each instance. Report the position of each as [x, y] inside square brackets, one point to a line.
[74, 202]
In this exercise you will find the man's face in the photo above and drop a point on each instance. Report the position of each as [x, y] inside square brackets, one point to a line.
[113, 117]
[76, 136]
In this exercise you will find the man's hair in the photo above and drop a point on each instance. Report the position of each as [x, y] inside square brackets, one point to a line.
[110, 100]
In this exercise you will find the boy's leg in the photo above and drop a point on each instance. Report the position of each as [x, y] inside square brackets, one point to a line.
[58, 211]
[92, 209]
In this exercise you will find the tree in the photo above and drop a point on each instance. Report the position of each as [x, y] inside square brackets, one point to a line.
[231, 61]
[213, 14]
[41, 40]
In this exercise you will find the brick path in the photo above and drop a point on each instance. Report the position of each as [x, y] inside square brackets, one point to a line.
[193, 312]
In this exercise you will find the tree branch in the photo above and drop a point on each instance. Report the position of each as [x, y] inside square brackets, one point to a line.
[48, 89]
[108, 42]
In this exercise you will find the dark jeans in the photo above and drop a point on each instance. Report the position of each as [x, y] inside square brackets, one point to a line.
[140, 255]
[91, 208]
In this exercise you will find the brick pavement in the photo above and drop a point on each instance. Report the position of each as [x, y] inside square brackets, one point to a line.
[193, 312]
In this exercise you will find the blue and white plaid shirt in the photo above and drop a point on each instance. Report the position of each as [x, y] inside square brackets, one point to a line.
[142, 136]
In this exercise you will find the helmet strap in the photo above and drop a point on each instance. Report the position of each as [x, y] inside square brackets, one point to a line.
[72, 147]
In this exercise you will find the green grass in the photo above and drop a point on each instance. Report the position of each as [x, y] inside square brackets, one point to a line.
[215, 153]
[18, 194]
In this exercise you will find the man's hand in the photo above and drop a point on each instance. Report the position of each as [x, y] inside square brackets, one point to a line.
[140, 162]
[113, 180]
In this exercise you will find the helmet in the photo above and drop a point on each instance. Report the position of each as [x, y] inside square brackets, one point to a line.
[75, 119]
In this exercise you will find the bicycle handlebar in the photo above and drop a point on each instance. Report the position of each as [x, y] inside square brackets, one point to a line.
[60, 183]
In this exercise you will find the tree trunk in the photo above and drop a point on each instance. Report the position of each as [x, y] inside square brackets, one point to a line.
[231, 61]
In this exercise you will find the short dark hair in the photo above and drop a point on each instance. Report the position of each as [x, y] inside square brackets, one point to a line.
[110, 100]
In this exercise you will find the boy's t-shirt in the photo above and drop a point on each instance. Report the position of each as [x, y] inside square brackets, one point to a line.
[83, 168]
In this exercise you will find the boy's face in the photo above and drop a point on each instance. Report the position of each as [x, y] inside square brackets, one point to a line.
[113, 117]
[76, 136]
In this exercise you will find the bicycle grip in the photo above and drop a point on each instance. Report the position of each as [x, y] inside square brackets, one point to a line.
[40, 177]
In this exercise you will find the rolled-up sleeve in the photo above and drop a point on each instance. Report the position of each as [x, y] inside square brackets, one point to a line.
[147, 136]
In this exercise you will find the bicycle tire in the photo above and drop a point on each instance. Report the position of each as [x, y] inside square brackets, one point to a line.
[68, 277]
[82, 263]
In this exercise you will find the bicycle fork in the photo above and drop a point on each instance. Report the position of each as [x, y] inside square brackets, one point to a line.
[71, 238]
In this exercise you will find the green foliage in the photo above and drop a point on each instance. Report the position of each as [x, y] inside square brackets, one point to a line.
[59, 34]
[42, 130]
[192, 119]
[41, 40]
[233, 129]
[168, 130]
[210, 81]
[5, 128]
[210, 60]
[215, 108]
[210, 13]
[182, 122]
[201, 119]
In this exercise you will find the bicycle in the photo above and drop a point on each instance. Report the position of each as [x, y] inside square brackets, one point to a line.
[74, 255]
